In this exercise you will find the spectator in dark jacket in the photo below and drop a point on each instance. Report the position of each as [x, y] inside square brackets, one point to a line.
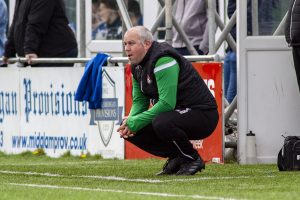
[40, 29]
[292, 34]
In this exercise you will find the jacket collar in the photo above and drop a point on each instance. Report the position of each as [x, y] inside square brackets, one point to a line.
[147, 56]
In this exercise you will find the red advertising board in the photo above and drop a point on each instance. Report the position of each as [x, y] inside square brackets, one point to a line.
[211, 148]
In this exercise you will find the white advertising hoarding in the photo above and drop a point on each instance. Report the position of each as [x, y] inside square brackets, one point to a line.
[38, 110]
[106, 120]
[9, 107]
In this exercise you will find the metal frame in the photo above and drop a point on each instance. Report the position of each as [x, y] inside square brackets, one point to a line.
[214, 22]
[203, 58]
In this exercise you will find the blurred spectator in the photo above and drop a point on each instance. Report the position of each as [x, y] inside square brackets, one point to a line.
[111, 28]
[191, 16]
[266, 20]
[96, 19]
[135, 14]
[3, 26]
[230, 73]
[230, 76]
[40, 29]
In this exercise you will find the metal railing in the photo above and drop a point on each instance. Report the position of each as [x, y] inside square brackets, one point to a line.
[192, 58]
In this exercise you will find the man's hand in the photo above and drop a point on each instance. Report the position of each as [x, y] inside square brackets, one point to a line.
[124, 130]
[29, 57]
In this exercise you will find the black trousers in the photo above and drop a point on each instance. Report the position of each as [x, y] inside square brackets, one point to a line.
[169, 133]
[296, 57]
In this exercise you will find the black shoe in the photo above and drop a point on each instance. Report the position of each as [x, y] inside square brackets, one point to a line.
[191, 167]
[171, 166]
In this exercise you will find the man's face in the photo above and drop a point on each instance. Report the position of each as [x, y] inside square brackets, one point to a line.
[134, 48]
[105, 13]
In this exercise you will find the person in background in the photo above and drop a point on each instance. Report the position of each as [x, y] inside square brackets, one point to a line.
[292, 34]
[3, 26]
[111, 28]
[135, 13]
[230, 76]
[183, 107]
[96, 19]
[40, 29]
[266, 18]
[191, 15]
[230, 65]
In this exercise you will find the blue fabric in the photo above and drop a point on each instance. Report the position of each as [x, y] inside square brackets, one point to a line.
[3, 25]
[230, 75]
[90, 85]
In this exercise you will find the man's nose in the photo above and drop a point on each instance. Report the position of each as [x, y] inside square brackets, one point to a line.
[127, 48]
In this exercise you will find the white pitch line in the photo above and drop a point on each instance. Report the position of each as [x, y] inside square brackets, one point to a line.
[121, 191]
[207, 178]
[116, 178]
[112, 178]
[54, 163]
[30, 173]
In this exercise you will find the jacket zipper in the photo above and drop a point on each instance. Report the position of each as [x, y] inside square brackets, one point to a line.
[141, 86]
[141, 82]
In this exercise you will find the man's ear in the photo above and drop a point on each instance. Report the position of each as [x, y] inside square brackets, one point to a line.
[147, 44]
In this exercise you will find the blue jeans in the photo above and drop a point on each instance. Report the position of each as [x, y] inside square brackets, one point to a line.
[230, 76]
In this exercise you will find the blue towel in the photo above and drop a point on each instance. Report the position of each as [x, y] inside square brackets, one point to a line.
[90, 85]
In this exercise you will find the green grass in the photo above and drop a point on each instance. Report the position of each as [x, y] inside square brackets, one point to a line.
[96, 178]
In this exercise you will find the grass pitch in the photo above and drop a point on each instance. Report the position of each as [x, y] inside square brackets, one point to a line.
[38, 177]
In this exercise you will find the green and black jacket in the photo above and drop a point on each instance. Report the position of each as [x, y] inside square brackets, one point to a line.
[169, 81]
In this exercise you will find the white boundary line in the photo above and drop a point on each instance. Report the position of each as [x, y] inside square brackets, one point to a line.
[116, 178]
[120, 191]
[54, 163]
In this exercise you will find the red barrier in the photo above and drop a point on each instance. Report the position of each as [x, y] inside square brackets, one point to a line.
[211, 148]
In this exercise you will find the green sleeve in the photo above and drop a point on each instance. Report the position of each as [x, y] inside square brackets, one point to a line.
[140, 102]
[166, 73]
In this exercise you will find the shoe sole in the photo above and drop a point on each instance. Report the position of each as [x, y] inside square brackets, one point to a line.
[186, 173]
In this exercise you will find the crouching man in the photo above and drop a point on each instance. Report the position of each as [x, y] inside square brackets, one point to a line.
[183, 107]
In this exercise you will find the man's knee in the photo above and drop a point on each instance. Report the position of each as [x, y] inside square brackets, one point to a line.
[161, 125]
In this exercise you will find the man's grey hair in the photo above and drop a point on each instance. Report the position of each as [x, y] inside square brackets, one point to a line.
[144, 33]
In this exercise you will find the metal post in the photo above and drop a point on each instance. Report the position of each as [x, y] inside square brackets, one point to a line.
[226, 32]
[158, 20]
[181, 32]
[204, 58]
[255, 28]
[229, 38]
[211, 25]
[280, 28]
[230, 109]
[169, 25]
[126, 21]
[82, 46]
[124, 14]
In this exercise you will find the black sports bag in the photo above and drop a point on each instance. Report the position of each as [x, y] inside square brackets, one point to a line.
[289, 155]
